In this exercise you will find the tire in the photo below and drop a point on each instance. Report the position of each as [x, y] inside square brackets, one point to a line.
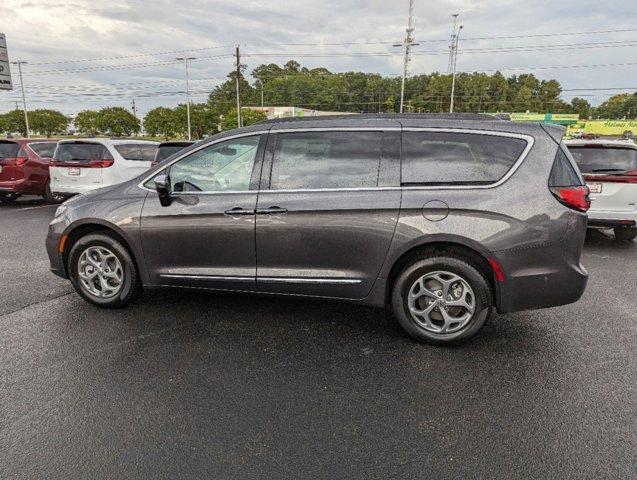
[49, 196]
[107, 250]
[625, 233]
[8, 198]
[458, 274]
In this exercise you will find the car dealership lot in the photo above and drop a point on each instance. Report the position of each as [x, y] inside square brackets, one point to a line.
[193, 384]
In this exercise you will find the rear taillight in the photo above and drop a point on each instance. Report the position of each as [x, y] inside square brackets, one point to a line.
[84, 164]
[573, 197]
[14, 161]
[628, 177]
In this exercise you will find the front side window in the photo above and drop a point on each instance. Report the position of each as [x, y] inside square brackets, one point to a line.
[220, 167]
[443, 158]
[314, 160]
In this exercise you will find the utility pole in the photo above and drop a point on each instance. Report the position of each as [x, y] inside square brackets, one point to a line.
[238, 87]
[19, 63]
[407, 44]
[185, 60]
[452, 45]
[261, 83]
[453, 75]
[134, 107]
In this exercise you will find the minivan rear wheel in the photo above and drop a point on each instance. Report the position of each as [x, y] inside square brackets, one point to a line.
[625, 233]
[103, 271]
[442, 300]
[49, 196]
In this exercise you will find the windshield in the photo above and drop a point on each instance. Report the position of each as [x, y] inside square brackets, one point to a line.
[81, 152]
[165, 151]
[604, 159]
[9, 149]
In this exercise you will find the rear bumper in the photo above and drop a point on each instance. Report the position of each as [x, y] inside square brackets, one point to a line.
[16, 186]
[612, 219]
[70, 190]
[534, 288]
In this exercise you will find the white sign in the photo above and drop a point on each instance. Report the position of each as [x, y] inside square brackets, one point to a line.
[5, 73]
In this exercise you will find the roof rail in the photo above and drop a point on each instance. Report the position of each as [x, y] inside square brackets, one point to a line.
[385, 116]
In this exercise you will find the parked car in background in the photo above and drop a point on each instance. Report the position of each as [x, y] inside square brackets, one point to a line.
[166, 149]
[79, 166]
[610, 171]
[24, 169]
[445, 218]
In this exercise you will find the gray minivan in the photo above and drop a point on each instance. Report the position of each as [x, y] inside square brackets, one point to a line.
[445, 218]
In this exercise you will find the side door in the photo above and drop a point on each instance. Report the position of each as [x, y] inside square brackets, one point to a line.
[39, 160]
[205, 237]
[327, 211]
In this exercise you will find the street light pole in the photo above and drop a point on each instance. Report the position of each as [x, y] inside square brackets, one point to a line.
[453, 75]
[185, 60]
[19, 63]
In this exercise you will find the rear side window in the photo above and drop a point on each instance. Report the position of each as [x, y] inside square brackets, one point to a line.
[81, 152]
[9, 149]
[43, 149]
[448, 158]
[165, 151]
[148, 152]
[563, 174]
[309, 160]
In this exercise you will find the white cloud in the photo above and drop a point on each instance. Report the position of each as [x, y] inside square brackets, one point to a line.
[53, 31]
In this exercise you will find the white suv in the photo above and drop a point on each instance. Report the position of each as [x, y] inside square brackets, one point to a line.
[79, 166]
[610, 171]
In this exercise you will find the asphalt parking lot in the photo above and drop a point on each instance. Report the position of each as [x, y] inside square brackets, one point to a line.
[185, 384]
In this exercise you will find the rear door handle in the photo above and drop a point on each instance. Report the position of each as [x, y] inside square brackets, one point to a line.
[271, 211]
[239, 211]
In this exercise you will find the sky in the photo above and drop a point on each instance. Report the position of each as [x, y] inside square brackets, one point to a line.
[92, 54]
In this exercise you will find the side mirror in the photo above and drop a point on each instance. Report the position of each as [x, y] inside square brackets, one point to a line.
[162, 185]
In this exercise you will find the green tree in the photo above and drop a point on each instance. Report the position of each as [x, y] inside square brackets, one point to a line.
[581, 107]
[161, 121]
[248, 117]
[48, 122]
[117, 122]
[4, 124]
[619, 106]
[14, 122]
[86, 122]
[204, 120]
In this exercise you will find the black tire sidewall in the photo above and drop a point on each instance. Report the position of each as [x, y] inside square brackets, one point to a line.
[131, 286]
[48, 194]
[625, 233]
[480, 286]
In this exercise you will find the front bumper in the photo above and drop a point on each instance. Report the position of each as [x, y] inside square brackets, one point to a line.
[53, 238]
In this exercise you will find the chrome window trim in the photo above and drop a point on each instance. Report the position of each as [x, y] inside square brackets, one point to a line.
[530, 141]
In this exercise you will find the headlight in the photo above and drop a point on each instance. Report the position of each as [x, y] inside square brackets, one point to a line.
[61, 210]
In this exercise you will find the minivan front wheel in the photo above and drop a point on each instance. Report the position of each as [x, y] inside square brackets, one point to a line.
[442, 300]
[103, 271]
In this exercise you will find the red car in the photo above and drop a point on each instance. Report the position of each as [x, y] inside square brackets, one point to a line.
[24, 169]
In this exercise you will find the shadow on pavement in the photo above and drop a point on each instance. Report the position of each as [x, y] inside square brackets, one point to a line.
[605, 240]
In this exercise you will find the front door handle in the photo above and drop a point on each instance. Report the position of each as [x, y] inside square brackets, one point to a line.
[239, 211]
[271, 211]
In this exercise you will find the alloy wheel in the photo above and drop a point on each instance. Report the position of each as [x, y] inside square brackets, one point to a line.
[100, 272]
[441, 302]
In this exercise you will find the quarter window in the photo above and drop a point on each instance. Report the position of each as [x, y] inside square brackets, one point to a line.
[219, 167]
[137, 151]
[441, 158]
[309, 160]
